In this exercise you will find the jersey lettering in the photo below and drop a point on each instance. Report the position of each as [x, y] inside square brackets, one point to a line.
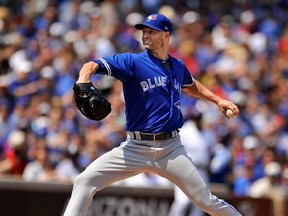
[177, 85]
[150, 84]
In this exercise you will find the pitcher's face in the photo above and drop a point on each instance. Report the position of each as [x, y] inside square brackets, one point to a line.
[153, 39]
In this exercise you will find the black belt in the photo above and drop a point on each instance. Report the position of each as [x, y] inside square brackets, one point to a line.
[151, 136]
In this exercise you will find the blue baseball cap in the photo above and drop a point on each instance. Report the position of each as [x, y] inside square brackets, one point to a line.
[157, 22]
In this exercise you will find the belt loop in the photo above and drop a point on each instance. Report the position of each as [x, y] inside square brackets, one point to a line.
[137, 135]
[130, 135]
[174, 133]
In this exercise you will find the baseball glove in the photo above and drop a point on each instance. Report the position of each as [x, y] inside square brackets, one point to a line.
[90, 101]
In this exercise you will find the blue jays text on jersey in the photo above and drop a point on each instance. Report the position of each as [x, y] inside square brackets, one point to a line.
[151, 91]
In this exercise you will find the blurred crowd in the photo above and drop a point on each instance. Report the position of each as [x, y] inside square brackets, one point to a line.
[238, 49]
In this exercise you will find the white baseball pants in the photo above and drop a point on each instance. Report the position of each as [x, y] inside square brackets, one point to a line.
[166, 158]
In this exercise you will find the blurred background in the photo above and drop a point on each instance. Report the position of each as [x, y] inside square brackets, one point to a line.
[238, 49]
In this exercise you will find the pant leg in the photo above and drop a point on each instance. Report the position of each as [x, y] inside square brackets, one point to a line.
[178, 167]
[113, 166]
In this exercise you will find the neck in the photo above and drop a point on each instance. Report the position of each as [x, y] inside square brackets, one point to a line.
[160, 54]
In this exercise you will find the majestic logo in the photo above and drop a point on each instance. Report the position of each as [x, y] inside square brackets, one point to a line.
[151, 17]
[177, 104]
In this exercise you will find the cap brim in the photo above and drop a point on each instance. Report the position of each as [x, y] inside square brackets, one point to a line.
[142, 25]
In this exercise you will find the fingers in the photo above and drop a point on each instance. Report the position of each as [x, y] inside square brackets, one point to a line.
[234, 108]
[225, 105]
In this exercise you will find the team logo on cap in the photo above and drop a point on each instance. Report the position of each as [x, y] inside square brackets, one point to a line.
[151, 17]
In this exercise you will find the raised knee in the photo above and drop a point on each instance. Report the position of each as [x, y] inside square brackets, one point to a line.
[86, 179]
[80, 179]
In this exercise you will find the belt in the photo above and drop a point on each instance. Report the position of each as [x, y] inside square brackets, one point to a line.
[152, 136]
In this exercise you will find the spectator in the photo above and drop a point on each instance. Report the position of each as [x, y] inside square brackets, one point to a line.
[66, 169]
[35, 169]
[4, 115]
[15, 154]
[262, 187]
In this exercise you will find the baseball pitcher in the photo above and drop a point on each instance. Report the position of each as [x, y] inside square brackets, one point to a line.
[152, 84]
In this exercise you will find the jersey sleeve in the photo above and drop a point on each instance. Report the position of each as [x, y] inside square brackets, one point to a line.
[188, 79]
[118, 66]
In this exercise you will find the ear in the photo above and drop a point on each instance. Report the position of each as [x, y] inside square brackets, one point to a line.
[167, 34]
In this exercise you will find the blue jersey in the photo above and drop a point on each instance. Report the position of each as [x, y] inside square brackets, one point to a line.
[151, 91]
